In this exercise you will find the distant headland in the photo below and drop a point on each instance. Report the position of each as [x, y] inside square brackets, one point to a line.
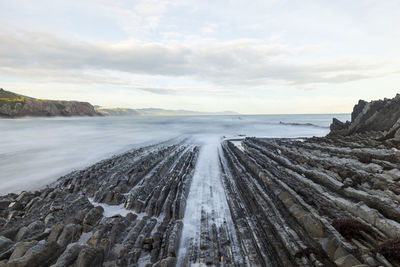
[13, 105]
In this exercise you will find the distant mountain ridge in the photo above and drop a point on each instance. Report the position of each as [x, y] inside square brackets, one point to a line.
[13, 105]
[155, 112]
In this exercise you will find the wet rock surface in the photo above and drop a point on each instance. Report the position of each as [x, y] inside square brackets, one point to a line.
[123, 211]
[315, 202]
[263, 202]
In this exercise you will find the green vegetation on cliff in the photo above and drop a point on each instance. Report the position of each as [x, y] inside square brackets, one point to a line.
[11, 99]
[7, 95]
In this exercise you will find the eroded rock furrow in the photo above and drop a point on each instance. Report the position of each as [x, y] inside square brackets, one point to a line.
[328, 197]
[254, 202]
[209, 236]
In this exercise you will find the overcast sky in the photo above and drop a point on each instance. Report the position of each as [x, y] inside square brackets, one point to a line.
[266, 56]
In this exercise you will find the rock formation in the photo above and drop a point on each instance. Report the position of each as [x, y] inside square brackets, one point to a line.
[13, 105]
[315, 202]
[381, 117]
[77, 221]
[332, 201]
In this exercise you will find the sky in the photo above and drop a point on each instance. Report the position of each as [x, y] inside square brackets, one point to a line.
[252, 57]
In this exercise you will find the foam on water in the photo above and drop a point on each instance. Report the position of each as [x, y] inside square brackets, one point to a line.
[112, 210]
[206, 194]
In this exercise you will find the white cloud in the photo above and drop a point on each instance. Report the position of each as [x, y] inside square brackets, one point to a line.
[233, 63]
[186, 48]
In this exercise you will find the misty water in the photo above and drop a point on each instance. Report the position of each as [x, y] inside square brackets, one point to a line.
[37, 151]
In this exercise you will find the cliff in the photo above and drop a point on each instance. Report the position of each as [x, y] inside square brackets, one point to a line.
[380, 118]
[13, 105]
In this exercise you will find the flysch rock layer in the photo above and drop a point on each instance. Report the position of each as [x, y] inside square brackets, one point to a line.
[124, 211]
[314, 202]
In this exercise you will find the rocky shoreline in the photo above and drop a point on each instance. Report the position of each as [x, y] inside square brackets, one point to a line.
[331, 201]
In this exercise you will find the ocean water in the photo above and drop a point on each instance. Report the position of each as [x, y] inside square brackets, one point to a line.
[37, 151]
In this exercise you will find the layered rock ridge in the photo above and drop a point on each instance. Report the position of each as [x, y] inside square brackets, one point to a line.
[315, 202]
[380, 118]
[289, 202]
[123, 211]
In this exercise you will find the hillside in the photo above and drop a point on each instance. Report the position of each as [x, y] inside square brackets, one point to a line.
[13, 105]
[156, 112]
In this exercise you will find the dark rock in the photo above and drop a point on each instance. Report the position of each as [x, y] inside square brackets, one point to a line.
[4, 203]
[339, 127]
[358, 108]
[49, 220]
[92, 217]
[40, 254]
[55, 232]
[348, 182]
[69, 255]
[10, 233]
[375, 116]
[69, 234]
[5, 243]
[21, 248]
[15, 205]
[22, 233]
[90, 257]
[167, 262]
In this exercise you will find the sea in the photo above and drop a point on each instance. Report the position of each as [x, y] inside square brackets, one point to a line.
[35, 152]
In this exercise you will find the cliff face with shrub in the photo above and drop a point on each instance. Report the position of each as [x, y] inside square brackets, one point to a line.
[380, 117]
[14, 105]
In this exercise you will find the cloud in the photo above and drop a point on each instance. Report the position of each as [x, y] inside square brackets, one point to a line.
[103, 78]
[244, 62]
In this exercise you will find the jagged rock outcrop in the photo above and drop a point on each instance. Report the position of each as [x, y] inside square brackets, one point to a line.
[382, 117]
[339, 127]
[13, 105]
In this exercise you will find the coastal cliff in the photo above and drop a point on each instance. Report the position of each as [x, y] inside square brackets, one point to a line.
[13, 105]
[381, 118]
